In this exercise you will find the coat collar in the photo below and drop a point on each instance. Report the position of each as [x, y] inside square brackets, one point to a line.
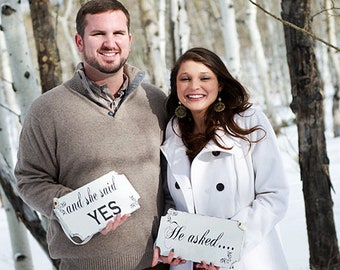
[174, 149]
[178, 162]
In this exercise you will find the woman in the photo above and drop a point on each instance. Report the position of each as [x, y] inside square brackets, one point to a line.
[223, 159]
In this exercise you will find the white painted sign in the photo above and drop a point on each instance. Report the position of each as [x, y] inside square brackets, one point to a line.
[196, 238]
[86, 210]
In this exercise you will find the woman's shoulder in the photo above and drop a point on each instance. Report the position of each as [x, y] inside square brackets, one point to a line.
[251, 116]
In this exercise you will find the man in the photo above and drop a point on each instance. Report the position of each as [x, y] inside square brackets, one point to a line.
[105, 118]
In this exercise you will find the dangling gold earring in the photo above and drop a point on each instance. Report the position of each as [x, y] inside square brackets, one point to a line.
[219, 106]
[180, 111]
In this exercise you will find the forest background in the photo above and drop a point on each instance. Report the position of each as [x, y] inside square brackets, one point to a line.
[250, 37]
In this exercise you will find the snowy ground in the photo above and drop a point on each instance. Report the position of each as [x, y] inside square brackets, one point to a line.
[293, 227]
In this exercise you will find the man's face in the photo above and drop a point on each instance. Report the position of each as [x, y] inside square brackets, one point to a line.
[106, 43]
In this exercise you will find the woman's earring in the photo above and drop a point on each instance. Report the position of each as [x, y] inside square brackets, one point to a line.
[219, 106]
[181, 111]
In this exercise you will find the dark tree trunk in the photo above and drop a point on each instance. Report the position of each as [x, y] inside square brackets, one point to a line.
[307, 104]
[336, 111]
[46, 45]
[26, 214]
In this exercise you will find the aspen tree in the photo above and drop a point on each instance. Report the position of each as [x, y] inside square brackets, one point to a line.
[180, 28]
[230, 37]
[22, 257]
[25, 83]
[307, 104]
[154, 51]
[46, 45]
[335, 65]
[261, 61]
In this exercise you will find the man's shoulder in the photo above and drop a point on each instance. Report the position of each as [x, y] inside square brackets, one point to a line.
[51, 102]
[51, 95]
[153, 89]
[153, 93]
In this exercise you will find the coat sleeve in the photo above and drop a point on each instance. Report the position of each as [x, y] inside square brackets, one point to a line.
[271, 188]
[36, 170]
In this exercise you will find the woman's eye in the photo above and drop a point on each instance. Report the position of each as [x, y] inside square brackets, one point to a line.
[184, 79]
[205, 78]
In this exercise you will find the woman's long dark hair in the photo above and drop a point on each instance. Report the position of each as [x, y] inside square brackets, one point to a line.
[232, 94]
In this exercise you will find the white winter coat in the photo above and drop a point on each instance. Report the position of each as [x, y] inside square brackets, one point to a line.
[242, 184]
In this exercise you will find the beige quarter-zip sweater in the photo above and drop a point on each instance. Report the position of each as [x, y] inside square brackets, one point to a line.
[68, 140]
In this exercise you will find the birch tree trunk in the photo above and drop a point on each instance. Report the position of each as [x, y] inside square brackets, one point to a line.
[162, 39]
[25, 83]
[278, 69]
[199, 19]
[22, 256]
[180, 28]
[230, 37]
[307, 104]
[26, 214]
[68, 37]
[155, 53]
[26, 88]
[46, 45]
[261, 61]
[18, 234]
[335, 66]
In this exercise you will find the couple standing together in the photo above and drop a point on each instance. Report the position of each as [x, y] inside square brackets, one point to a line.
[219, 156]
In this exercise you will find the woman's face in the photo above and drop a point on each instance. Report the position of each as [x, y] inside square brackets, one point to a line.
[197, 87]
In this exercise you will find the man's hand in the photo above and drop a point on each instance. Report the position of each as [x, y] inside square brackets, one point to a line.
[114, 224]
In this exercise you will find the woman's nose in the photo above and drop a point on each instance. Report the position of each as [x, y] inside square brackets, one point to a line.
[195, 84]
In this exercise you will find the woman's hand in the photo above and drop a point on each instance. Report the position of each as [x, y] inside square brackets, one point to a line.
[204, 265]
[114, 224]
[166, 259]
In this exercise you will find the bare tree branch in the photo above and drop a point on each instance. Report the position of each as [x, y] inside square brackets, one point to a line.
[25, 213]
[296, 27]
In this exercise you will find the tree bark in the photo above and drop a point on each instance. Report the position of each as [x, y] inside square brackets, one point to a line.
[25, 84]
[46, 45]
[25, 213]
[261, 61]
[307, 104]
[155, 53]
[230, 37]
[18, 234]
[8, 126]
[180, 28]
[335, 65]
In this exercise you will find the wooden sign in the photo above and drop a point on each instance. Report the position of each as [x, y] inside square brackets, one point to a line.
[86, 210]
[196, 238]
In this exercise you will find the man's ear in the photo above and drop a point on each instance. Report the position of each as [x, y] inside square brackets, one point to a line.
[79, 42]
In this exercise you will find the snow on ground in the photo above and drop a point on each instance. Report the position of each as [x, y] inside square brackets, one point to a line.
[293, 227]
